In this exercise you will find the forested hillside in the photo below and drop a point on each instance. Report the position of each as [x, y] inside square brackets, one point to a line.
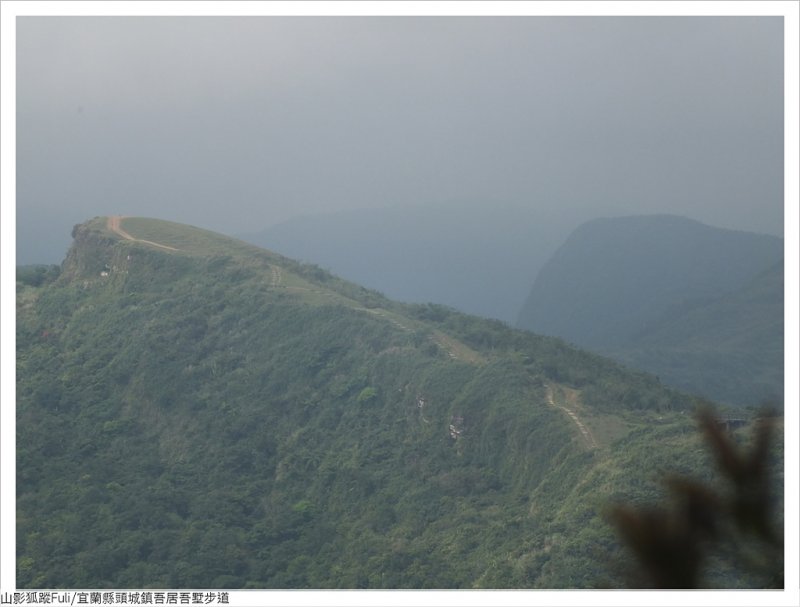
[729, 348]
[699, 306]
[195, 412]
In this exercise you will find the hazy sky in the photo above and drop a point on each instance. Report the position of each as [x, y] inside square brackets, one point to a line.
[235, 124]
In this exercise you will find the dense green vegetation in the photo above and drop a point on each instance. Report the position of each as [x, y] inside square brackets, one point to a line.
[729, 348]
[701, 307]
[37, 275]
[220, 416]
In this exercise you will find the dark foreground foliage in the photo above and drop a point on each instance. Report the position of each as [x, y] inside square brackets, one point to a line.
[733, 519]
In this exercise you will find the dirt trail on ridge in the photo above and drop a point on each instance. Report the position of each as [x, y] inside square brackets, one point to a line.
[113, 224]
[451, 346]
[587, 434]
[454, 349]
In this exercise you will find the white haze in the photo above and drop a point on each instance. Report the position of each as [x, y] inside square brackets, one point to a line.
[236, 124]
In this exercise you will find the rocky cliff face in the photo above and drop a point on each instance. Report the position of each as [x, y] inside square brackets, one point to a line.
[93, 251]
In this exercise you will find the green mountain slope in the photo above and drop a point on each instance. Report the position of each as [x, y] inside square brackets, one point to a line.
[728, 348]
[196, 412]
[700, 306]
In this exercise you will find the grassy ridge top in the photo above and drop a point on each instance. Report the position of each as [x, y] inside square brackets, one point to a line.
[307, 283]
[186, 239]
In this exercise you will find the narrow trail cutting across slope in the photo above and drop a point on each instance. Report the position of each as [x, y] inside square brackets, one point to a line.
[452, 347]
[113, 224]
[587, 434]
[277, 275]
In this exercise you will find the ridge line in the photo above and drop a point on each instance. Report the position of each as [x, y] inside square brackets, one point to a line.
[113, 224]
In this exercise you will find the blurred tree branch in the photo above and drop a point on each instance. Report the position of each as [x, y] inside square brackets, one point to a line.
[674, 542]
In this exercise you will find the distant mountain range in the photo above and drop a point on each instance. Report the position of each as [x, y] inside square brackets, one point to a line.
[477, 259]
[700, 306]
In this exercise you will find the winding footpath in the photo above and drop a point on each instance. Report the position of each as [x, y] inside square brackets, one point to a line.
[440, 339]
[277, 276]
[276, 280]
[113, 224]
[587, 434]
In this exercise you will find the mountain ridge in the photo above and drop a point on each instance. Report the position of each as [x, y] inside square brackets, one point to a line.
[614, 281]
[461, 255]
[217, 399]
